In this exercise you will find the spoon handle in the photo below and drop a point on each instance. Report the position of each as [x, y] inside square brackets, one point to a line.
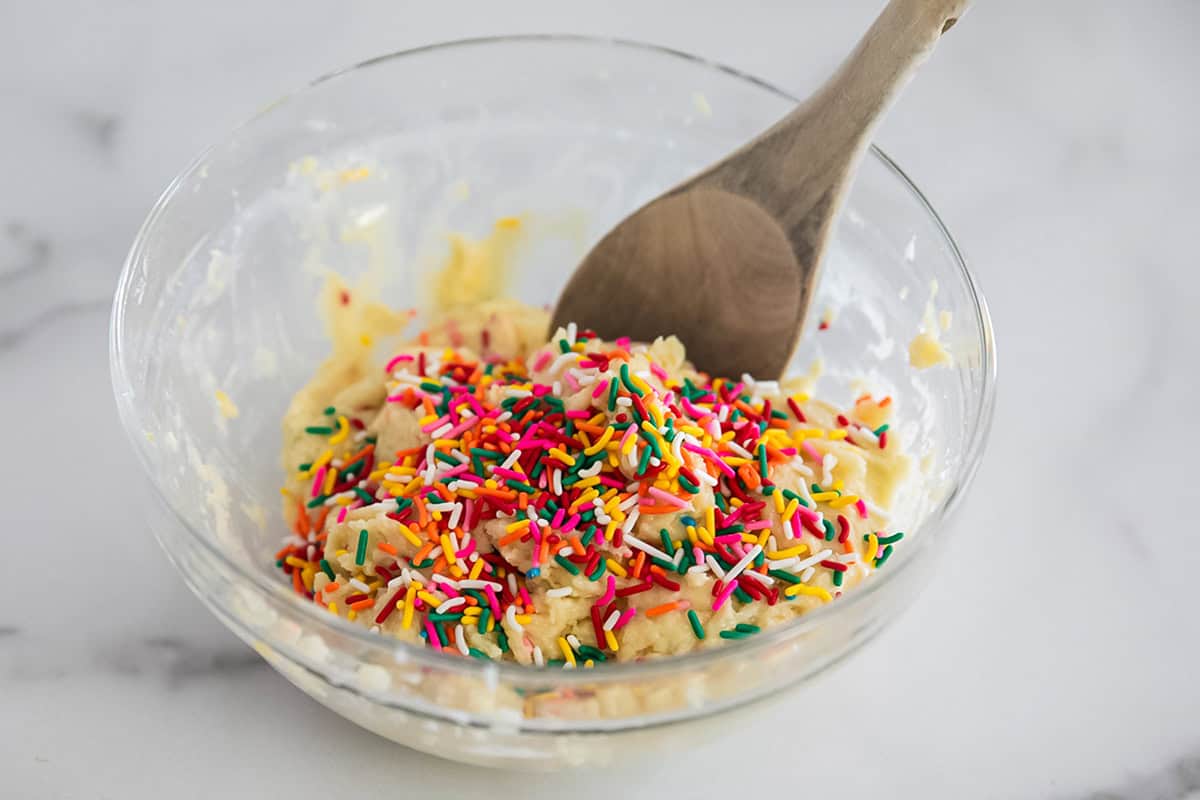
[885, 59]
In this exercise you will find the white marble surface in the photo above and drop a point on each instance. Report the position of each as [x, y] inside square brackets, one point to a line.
[1055, 654]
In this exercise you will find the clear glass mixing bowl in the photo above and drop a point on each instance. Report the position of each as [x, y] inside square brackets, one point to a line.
[364, 172]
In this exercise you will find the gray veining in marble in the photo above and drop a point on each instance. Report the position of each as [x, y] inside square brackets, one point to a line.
[1054, 655]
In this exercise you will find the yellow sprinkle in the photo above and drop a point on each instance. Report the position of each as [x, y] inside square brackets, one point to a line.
[340, 553]
[801, 397]
[587, 482]
[762, 537]
[691, 534]
[837, 435]
[811, 591]
[844, 500]
[352, 615]
[611, 638]
[710, 518]
[808, 433]
[332, 607]
[353, 175]
[456, 571]
[790, 511]
[823, 497]
[601, 442]
[365, 339]
[428, 597]
[779, 555]
[628, 445]
[447, 548]
[225, 405]
[298, 563]
[330, 480]
[838, 484]
[512, 527]
[524, 619]
[750, 538]
[472, 611]
[583, 499]
[413, 588]
[343, 430]
[509, 223]
[476, 568]
[608, 531]
[567, 652]
[706, 536]
[615, 568]
[777, 496]
[735, 461]
[428, 418]
[589, 664]
[491, 624]
[872, 548]
[562, 456]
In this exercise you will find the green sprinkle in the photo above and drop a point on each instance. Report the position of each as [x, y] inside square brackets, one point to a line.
[478, 654]
[567, 565]
[837, 578]
[829, 531]
[501, 640]
[692, 488]
[564, 345]
[429, 562]
[319, 430]
[361, 555]
[652, 441]
[435, 617]
[431, 387]
[316, 501]
[644, 461]
[786, 577]
[880, 430]
[441, 634]
[668, 545]
[697, 628]
[519, 486]
[587, 651]
[598, 572]
[328, 570]
[895, 537]
[589, 534]
[883, 557]
[746, 627]
[485, 453]
[483, 618]
[733, 634]
[736, 527]
[364, 496]
[762, 461]
[612, 394]
[330, 411]
[777, 414]
[741, 595]
[445, 458]
[305, 467]
[629, 384]
[816, 488]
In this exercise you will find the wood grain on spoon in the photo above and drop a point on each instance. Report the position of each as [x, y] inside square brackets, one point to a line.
[729, 259]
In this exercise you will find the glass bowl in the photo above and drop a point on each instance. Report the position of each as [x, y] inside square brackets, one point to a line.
[364, 172]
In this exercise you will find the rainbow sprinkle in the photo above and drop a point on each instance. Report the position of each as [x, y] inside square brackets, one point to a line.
[585, 467]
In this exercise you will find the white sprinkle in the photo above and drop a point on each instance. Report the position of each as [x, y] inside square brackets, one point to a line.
[624, 402]
[846, 558]
[806, 574]
[512, 459]
[440, 506]
[357, 584]
[562, 591]
[505, 417]
[461, 636]
[586, 380]
[628, 502]
[453, 602]
[538, 658]
[827, 464]
[766, 580]
[612, 620]
[591, 471]
[392, 477]
[512, 584]
[638, 544]
[455, 517]
[438, 433]
[741, 451]
[573, 640]
[722, 413]
[714, 566]
[556, 481]
[705, 477]
[630, 521]
[562, 361]
[696, 569]
[556, 389]
[745, 562]
[654, 461]
[395, 582]
[567, 552]
[814, 559]
[510, 616]
[479, 584]
[442, 579]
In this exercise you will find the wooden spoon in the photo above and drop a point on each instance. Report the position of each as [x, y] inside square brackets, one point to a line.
[728, 261]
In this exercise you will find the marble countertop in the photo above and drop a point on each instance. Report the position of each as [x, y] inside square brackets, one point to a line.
[1054, 655]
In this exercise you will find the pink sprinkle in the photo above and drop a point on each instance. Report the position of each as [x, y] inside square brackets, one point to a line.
[698, 554]
[570, 524]
[629, 434]
[437, 423]
[544, 359]
[693, 412]
[609, 593]
[466, 551]
[608, 480]
[342, 514]
[758, 526]
[397, 360]
[711, 456]
[460, 469]
[525, 597]
[395, 398]
[723, 596]
[571, 382]
[727, 538]
[509, 474]
[623, 342]
[448, 590]
[658, 371]
[795, 523]
[433, 638]
[578, 414]
[862, 509]
[665, 497]
[558, 518]
[601, 388]
[493, 603]
[318, 482]
[624, 618]
[810, 451]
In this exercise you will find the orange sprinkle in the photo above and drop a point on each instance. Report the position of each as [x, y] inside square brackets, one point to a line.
[424, 551]
[319, 522]
[512, 537]
[359, 605]
[422, 514]
[666, 608]
[652, 510]
[638, 563]
[749, 474]
[388, 548]
[298, 582]
[885, 402]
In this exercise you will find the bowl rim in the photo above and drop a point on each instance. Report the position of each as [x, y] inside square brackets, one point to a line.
[125, 393]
